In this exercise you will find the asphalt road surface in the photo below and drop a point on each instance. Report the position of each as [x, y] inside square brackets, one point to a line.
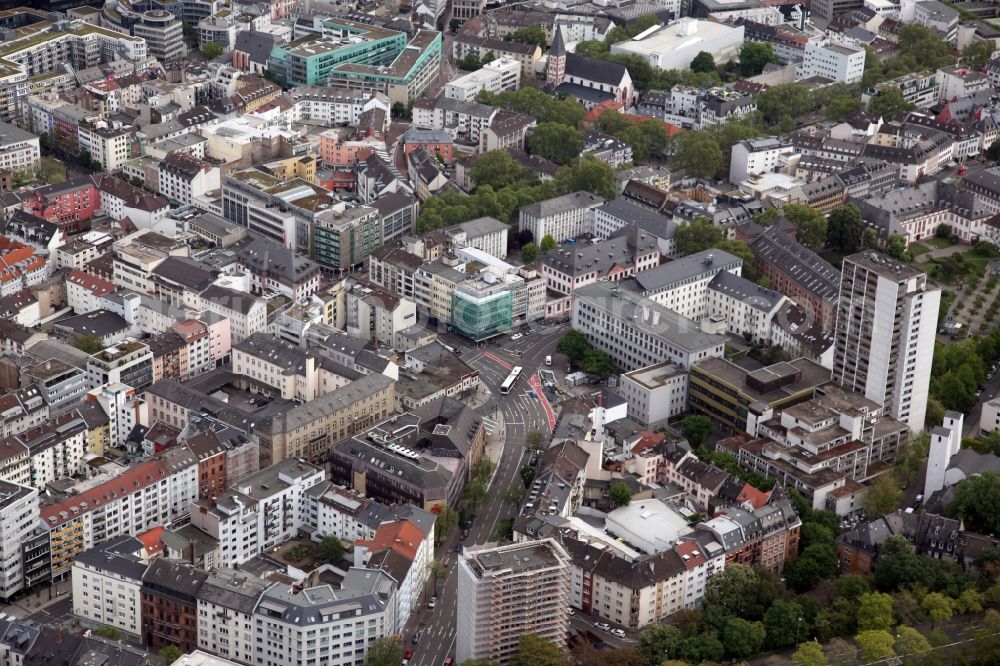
[522, 414]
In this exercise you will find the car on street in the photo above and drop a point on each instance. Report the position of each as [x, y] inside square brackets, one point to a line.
[516, 337]
[448, 661]
[548, 360]
[433, 602]
[407, 656]
[603, 626]
[446, 559]
[620, 633]
[465, 533]
[571, 611]
[458, 548]
[416, 637]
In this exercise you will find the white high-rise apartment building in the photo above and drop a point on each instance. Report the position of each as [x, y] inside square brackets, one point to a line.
[886, 323]
[18, 519]
[838, 62]
[505, 592]
[107, 583]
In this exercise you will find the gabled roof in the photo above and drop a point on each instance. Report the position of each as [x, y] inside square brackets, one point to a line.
[598, 71]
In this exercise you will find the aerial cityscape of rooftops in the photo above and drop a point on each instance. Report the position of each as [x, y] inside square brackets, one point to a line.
[499, 333]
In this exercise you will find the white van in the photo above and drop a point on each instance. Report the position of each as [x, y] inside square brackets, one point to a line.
[548, 360]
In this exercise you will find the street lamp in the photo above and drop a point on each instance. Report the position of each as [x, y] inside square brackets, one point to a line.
[798, 623]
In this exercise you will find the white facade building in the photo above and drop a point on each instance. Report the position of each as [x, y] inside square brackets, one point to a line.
[837, 62]
[107, 584]
[563, 217]
[262, 511]
[755, 156]
[674, 46]
[19, 150]
[507, 591]
[655, 393]
[886, 327]
[18, 519]
[226, 603]
[493, 77]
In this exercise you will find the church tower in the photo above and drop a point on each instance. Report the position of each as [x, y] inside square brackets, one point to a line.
[556, 69]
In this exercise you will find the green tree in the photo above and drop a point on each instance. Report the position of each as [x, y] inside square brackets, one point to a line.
[784, 624]
[812, 533]
[697, 154]
[454, 25]
[445, 522]
[475, 494]
[887, 103]
[557, 143]
[914, 648]
[883, 496]
[90, 344]
[469, 63]
[703, 62]
[590, 174]
[896, 247]
[533, 650]
[330, 549]
[787, 100]
[548, 243]
[810, 225]
[969, 602]
[842, 106]
[513, 495]
[875, 644]
[729, 134]
[384, 652]
[529, 253]
[993, 152]
[527, 475]
[730, 592]
[695, 429]
[437, 571]
[172, 653]
[809, 654]
[754, 56]
[976, 501]
[620, 494]
[497, 169]
[482, 470]
[844, 228]
[924, 47]
[598, 362]
[658, 643]
[573, 344]
[534, 441]
[816, 563]
[530, 35]
[110, 633]
[741, 638]
[211, 50]
[705, 646]
[697, 235]
[938, 607]
[875, 611]
[976, 54]
[851, 587]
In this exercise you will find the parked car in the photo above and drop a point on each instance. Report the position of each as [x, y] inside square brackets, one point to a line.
[433, 602]
[416, 637]
[448, 661]
[620, 633]
[603, 626]
[516, 337]
[458, 548]
[571, 611]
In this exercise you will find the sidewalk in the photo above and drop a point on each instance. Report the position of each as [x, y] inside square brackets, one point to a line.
[33, 602]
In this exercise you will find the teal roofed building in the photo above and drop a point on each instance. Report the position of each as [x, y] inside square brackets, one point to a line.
[356, 55]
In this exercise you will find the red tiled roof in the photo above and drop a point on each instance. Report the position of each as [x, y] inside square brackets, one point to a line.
[131, 481]
[401, 536]
[152, 540]
[92, 283]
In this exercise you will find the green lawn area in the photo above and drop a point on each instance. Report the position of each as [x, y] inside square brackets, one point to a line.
[917, 249]
[939, 243]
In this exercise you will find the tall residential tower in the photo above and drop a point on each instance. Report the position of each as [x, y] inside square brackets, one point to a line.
[886, 323]
[505, 592]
